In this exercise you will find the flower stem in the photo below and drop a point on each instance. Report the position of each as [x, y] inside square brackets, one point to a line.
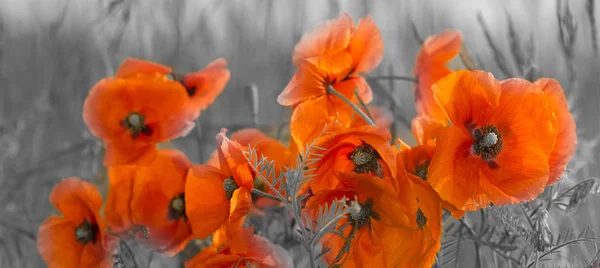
[263, 194]
[363, 105]
[395, 77]
[356, 108]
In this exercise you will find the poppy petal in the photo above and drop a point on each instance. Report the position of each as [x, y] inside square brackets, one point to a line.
[425, 128]
[366, 46]
[207, 206]
[454, 172]
[566, 139]
[328, 38]
[467, 96]
[132, 67]
[238, 236]
[57, 244]
[208, 84]
[76, 199]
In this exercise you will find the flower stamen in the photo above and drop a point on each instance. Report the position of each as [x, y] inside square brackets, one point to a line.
[422, 169]
[177, 208]
[135, 122]
[488, 142]
[365, 159]
[230, 186]
[86, 232]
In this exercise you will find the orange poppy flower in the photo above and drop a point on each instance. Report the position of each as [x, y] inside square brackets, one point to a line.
[380, 223]
[205, 85]
[334, 54]
[498, 146]
[217, 196]
[430, 67]
[363, 150]
[78, 239]
[272, 149]
[124, 114]
[262, 253]
[414, 163]
[566, 139]
[142, 105]
[151, 196]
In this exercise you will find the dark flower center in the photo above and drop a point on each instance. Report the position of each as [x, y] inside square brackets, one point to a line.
[421, 219]
[177, 208]
[422, 169]
[86, 232]
[361, 214]
[179, 78]
[488, 142]
[135, 123]
[230, 186]
[365, 159]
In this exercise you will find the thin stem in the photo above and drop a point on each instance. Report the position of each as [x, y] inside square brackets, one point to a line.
[263, 194]
[362, 103]
[395, 77]
[476, 239]
[347, 101]
[129, 252]
[150, 259]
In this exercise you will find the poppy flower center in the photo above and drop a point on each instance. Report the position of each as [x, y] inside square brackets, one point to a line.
[361, 214]
[230, 186]
[364, 157]
[86, 232]
[422, 169]
[488, 142]
[421, 219]
[177, 208]
[179, 78]
[135, 123]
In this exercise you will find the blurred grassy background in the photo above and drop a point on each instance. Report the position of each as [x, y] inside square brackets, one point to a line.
[52, 52]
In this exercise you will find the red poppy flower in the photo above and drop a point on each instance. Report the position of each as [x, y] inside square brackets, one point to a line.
[78, 239]
[566, 139]
[151, 196]
[217, 196]
[498, 146]
[430, 66]
[363, 150]
[380, 223]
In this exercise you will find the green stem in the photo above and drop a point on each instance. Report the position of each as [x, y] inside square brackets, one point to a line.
[362, 103]
[356, 108]
[263, 194]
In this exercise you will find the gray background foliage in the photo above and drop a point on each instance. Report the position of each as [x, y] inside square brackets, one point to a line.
[53, 51]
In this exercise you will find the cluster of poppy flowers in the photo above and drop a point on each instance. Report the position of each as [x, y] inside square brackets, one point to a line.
[480, 141]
